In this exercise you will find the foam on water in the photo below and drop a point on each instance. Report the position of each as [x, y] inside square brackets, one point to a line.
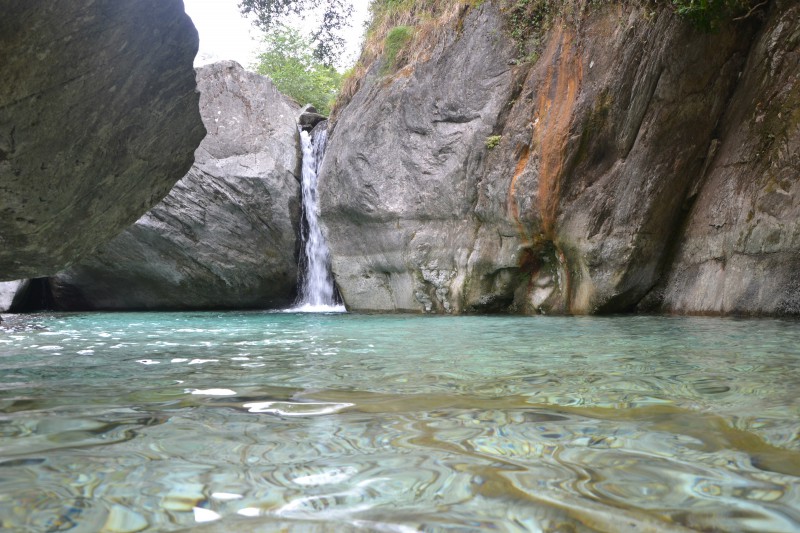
[311, 308]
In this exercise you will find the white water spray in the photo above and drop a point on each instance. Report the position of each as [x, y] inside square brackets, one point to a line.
[317, 293]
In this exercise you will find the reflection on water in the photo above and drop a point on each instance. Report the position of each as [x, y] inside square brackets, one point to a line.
[257, 422]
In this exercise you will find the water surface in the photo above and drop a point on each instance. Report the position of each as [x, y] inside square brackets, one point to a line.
[261, 421]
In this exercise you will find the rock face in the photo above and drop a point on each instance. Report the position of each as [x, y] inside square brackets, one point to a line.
[565, 185]
[225, 236]
[398, 198]
[740, 252]
[309, 118]
[98, 119]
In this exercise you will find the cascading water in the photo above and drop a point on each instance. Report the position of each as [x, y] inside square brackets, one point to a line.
[317, 292]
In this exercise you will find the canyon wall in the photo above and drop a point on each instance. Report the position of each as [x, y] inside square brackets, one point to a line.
[740, 249]
[225, 236]
[98, 120]
[631, 161]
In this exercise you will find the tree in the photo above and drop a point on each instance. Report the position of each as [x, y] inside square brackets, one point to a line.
[327, 44]
[289, 61]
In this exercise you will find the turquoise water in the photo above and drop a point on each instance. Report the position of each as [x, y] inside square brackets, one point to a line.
[262, 421]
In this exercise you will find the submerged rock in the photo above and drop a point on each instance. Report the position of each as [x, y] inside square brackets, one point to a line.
[485, 184]
[225, 236]
[98, 120]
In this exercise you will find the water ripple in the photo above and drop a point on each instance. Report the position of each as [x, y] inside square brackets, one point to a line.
[261, 421]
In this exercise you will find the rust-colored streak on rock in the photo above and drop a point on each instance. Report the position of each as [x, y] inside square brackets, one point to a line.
[552, 117]
[513, 207]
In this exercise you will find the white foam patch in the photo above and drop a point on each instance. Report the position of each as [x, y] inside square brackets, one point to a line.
[205, 515]
[214, 392]
[226, 496]
[308, 308]
[296, 409]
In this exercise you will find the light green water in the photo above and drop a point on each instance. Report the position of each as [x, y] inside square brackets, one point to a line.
[257, 421]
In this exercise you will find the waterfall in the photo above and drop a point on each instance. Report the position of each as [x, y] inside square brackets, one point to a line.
[317, 293]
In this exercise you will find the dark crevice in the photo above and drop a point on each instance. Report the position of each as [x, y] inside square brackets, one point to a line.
[37, 297]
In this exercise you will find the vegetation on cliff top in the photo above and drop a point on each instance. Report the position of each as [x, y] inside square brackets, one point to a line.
[289, 61]
[401, 32]
[421, 22]
[710, 14]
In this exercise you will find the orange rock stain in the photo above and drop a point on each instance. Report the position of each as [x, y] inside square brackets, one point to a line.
[511, 200]
[552, 117]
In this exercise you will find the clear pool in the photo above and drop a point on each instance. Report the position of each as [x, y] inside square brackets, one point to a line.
[305, 422]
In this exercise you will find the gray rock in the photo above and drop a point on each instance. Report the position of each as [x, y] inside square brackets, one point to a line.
[309, 117]
[615, 155]
[400, 177]
[575, 205]
[225, 236]
[741, 249]
[98, 120]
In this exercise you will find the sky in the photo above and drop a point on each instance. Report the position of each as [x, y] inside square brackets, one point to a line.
[225, 34]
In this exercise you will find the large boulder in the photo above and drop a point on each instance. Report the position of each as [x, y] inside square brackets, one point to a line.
[225, 236]
[98, 120]
[487, 184]
[741, 249]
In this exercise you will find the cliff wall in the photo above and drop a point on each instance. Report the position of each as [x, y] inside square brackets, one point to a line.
[740, 249]
[582, 178]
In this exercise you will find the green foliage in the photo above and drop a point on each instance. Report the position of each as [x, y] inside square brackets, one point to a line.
[289, 61]
[492, 141]
[327, 44]
[529, 19]
[709, 14]
[396, 39]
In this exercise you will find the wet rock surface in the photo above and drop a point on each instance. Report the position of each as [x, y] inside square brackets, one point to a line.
[12, 293]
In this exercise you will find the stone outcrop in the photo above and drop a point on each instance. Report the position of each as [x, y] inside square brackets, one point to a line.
[225, 236]
[309, 118]
[565, 184]
[98, 120]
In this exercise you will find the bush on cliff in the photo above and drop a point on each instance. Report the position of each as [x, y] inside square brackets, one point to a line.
[396, 39]
[709, 14]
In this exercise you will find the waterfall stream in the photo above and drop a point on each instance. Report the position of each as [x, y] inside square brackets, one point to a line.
[316, 290]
